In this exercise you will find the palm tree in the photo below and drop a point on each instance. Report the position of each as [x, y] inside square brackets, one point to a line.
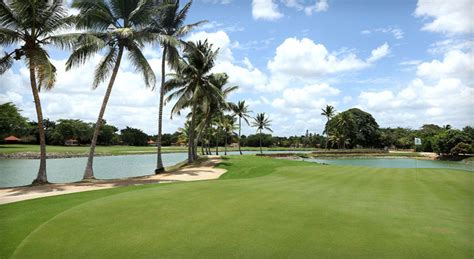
[169, 21]
[328, 112]
[115, 25]
[242, 111]
[261, 122]
[32, 25]
[191, 81]
[228, 125]
[344, 124]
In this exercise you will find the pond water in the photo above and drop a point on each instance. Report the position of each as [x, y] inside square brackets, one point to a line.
[18, 172]
[395, 163]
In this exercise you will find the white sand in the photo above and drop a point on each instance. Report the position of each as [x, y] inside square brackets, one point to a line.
[203, 171]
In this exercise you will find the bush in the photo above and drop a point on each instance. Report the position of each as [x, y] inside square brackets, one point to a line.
[461, 148]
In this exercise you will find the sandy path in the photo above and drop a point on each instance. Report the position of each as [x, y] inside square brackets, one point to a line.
[204, 171]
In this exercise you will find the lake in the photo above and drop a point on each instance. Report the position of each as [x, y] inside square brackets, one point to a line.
[394, 163]
[18, 172]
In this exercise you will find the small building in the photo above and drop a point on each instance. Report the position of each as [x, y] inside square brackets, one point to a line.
[11, 140]
[151, 143]
[71, 142]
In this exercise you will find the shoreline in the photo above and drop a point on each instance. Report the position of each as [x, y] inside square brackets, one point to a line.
[200, 171]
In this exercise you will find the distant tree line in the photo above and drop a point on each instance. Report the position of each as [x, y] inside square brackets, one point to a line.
[353, 128]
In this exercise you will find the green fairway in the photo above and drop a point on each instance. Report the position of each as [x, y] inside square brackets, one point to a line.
[261, 207]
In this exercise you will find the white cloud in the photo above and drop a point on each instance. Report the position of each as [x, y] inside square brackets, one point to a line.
[319, 6]
[447, 16]
[304, 58]
[456, 63]
[246, 77]
[265, 10]
[395, 31]
[379, 53]
[442, 93]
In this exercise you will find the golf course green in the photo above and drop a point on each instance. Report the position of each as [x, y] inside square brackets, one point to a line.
[262, 207]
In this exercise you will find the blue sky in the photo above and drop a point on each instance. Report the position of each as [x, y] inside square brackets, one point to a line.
[406, 62]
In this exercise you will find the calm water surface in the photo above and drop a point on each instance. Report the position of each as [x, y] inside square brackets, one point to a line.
[395, 163]
[18, 172]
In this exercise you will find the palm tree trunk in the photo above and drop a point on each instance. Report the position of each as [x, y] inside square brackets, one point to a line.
[41, 178]
[159, 160]
[240, 128]
[225, 143]
[217, 141]
[260, 139]
[89, 171]
[191, 149]
[327, 135]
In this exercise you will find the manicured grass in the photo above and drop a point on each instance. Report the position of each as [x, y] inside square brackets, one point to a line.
[262, 207]
[116, 150]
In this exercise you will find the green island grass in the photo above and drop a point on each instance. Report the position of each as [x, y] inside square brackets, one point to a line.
[262, 207]
[119, 150]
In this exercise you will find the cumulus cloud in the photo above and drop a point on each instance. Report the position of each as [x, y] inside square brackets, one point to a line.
[456, 63]
[442, 93]
[446, 16]
[265, 10]
[305, 58]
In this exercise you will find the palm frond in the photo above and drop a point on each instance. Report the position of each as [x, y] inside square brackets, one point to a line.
[105, 67]
[141, 65]
[6, 63]
[9, 37]
[45, 70]
[88, 46]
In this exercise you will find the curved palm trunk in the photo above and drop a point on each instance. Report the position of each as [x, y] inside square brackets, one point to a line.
[240, 128]
[261, 151]
[159, 160]
[89, 171]
[41, 178]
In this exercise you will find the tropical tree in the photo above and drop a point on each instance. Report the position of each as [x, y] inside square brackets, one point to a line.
[328, 112]
[169, 21]
[242, 111]
[33, 25]
[191, 81]
[228, 125]
[115, 25]
[261, 122]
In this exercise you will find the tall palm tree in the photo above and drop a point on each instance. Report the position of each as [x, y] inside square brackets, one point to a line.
[32, 25]
[328, 112]
[261, 122]
[115, 25]
[191, 81]
[242, 111]
[169, 21]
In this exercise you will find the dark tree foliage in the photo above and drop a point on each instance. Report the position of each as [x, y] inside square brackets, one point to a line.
[134, 137]
[445, 141]
[357, 126]
[11, 121]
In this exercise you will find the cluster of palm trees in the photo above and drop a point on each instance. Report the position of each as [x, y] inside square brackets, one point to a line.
[118, 27]
[338, 135]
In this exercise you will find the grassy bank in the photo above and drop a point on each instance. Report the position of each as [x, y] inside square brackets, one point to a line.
[261, 207]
